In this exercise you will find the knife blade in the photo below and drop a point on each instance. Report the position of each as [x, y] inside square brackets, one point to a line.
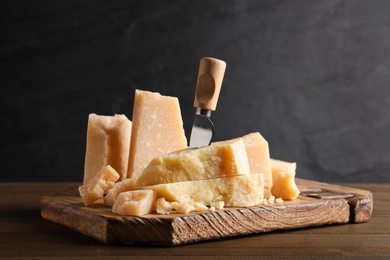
[208, 87]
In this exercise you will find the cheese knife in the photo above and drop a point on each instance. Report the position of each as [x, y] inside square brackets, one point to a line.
[208, 86]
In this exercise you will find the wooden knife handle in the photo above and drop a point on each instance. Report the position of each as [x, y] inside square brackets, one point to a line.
[208, 86]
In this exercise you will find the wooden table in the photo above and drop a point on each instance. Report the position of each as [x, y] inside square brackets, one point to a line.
[24, 234]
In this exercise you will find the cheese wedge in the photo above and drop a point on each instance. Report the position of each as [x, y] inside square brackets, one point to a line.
[278, 166]
[257, 151]
[135, 203]
[218, 160]
[99, 185]
[113, 193]
[235, 191]
[157, 129]
[108, 143]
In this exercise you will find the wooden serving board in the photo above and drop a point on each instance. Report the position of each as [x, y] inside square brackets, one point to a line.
[319, 204]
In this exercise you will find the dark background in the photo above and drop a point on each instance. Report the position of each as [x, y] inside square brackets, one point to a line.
[313, 77]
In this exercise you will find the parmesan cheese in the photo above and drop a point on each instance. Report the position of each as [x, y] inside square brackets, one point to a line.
[99, 185]
[108, 143]
[284, 186]
[135, 202]
[257, 153]
[239, 191]
[278, 166]
[218, 160]
[124, 185]
[258, 156]
[157, 129]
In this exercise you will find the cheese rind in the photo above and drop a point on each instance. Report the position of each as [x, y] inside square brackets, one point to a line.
[99, 185]
[135, 202]
[113, 193]
[157, 129]
[206, 162]
[240, 191]
[108, 143]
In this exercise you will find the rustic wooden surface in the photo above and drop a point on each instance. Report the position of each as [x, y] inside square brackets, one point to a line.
[99, 222]
[24, 234]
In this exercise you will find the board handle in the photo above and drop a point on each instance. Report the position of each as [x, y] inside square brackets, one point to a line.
[208, 86]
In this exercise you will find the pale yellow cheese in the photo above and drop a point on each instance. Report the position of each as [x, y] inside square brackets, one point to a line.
[258, 156]
[135, 202]
[157, 129]
[163, 207]
[184, 207]
[284, 186]
[206, 162]
[283, 175]
[278, 166]
[108, 143]
[240, 191]
[257, 152]
[124, 185]
[99, 185]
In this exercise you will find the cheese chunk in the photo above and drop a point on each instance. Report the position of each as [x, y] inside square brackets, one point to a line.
[108, 143]
[234, 191]
[98, 185]
[124, 185]
[163, 207]
[206, 162]
[157, 129]
[257, 152]
[278, 166]
[135, 203]
[284, 186]
[258, 156]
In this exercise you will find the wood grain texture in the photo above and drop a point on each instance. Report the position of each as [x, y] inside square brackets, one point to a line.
[100, 223]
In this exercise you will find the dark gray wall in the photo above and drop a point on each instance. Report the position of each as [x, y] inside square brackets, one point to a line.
[313, 77]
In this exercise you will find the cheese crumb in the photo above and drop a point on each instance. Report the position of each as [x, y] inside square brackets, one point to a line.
[218, 205]
[279, 200]
[199, 206]
[267, 193]
[163, 206]
[99, 185]
[183, 207]
[271, 199]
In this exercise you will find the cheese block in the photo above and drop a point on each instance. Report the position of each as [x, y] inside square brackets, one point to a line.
[99, 185]
[108, 143]
[278, 166]
[157, 129]
[135, 203]
[283, 176]
[284, 186]
[124, 185]
[257, 151]
[235, 191]
[206, 162]
[258, 156]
